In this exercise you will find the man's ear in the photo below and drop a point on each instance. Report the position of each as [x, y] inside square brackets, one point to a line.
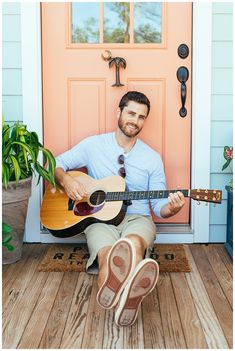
[118, 112]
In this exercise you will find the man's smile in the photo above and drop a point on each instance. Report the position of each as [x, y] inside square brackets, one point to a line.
[131, 126]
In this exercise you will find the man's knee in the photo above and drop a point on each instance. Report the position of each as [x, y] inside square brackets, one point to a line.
[139, 241]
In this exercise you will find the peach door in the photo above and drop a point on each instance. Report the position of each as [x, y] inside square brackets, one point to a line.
[78, 97]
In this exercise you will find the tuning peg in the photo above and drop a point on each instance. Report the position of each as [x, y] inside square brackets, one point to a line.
[198, 203]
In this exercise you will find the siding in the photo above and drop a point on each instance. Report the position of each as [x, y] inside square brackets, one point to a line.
[221, 110]
[11, 63]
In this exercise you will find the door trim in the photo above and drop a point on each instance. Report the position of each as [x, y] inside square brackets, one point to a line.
[32, 101]
[201, 96]
[201, 115]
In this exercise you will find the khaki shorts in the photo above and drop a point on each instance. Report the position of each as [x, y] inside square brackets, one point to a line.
[99, 235]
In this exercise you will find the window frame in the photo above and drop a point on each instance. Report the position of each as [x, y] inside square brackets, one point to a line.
[131, 45]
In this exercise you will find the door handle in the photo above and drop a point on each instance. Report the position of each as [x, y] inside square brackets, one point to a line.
[182, 76]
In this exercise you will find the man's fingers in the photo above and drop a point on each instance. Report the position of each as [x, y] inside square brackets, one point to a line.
[177, 199]
[77, 196]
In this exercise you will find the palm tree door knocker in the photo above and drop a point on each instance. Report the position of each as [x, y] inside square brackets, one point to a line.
[118, 62]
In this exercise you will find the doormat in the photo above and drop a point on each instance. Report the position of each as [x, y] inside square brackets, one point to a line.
[65, 258]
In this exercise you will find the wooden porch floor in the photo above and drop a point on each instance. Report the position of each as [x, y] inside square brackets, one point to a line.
[59, 310]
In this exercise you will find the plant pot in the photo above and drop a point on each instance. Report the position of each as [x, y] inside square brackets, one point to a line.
[229, 234]
[14, 211]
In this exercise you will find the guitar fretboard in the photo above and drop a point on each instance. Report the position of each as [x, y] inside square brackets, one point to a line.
[141, 195]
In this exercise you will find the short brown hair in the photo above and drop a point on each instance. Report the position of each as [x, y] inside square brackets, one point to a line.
[134, 96]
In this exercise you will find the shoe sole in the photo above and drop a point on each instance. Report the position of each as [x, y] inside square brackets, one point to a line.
[121, 264]
[141, 284]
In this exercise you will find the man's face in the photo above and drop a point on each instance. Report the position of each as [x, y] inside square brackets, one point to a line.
[131, 119]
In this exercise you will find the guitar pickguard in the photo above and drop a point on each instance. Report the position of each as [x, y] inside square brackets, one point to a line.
[84, 209]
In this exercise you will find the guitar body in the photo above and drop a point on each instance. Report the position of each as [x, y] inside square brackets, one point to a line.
[65, 218]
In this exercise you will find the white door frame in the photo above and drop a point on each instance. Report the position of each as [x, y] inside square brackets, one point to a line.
[201, 112]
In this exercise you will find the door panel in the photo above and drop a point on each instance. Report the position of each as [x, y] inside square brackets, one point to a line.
[78, 96]
[85, 98]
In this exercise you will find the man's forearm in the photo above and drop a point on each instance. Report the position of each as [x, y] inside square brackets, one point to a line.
[167, 211]
[60, 174]
[175, 202]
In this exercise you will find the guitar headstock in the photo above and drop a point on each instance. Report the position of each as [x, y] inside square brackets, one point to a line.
[206, 195]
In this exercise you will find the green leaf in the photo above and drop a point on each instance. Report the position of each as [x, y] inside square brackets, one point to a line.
[6, 228]
[42, 172]
[16, 168]
[226, 164]
[5, 133]
[27, 148]
[9, 247]
[6, 238]
[6, 175]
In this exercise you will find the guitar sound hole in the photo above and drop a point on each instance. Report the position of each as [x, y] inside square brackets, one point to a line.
[97, 198]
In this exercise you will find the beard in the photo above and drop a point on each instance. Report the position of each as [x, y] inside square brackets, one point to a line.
[131, 133]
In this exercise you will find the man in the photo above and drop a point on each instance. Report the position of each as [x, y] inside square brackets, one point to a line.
[124, 277]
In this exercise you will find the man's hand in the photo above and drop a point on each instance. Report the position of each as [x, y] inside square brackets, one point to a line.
[74, 189]
[175, 202]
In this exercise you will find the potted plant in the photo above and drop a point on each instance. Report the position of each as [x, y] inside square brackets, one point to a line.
[228, 155]
[21, 150]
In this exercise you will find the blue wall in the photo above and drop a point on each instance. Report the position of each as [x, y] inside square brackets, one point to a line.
[11, 62]
[221, 110]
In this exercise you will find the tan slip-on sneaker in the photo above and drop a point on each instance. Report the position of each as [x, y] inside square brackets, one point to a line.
[139, 286]
[121, 262]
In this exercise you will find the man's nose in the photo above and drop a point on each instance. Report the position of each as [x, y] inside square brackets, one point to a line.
[135, 119]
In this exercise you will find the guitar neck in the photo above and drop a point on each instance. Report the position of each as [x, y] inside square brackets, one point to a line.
[141, 195]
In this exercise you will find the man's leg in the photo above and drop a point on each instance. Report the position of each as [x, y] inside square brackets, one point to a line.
[140, 246]
[116, 260]
[100, 238]
[103, 267]
[141, 231]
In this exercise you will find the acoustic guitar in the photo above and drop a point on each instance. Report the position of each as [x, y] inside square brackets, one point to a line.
[106, 203]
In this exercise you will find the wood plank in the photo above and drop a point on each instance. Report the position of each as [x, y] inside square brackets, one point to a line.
[172, 329]
[134, 334]
[113, 337]
[13, 266]
[93, 334]
[221, 272]
[225, 257]
[220, 303]
[17, 321]
[52, 335]
[74, 318]
[76, 322]
[191, 325]
[153, 330]
[36, 325]
[13, 291]
[211, 327]
[12, 270]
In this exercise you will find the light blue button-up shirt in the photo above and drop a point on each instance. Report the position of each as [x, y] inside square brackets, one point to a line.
[143, 165]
